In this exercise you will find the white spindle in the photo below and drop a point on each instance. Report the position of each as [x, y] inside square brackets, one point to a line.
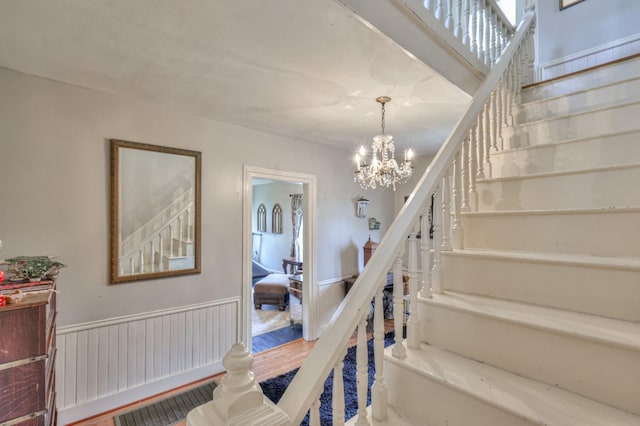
[398, 307]
[449, 21]
[487, 139]
[473, 164]
[464, 169]
[446, 211]
[480, 173]
[487, 34]
[439, 14]
[152, 255]
[427, 4]
[413, 324]
[189, 230]
[466, 12]
[436, 271]
[494, 36]
[131, 265]
[314, 413]
[170, 240]
[480, 12]
[474, 26]
[425, 249]
[160, 252]
[498, 115]
[141, 261]
[362, 370]
[494, 119]
[456, 230]
[337, 395]
[458, 19]
[180, 236]
[379, 397]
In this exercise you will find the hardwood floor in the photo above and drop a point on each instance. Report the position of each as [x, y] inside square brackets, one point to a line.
[266, 365]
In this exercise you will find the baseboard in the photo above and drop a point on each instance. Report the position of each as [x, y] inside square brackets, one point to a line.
[121, 399]
[589, 58]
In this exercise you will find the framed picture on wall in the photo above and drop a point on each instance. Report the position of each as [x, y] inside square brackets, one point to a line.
[566, 3]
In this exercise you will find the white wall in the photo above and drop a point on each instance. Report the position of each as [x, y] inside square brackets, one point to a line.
[55, 167]
[585, 25]
[275, 246]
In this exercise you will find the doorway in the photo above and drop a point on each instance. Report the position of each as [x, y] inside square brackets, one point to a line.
[308, 299]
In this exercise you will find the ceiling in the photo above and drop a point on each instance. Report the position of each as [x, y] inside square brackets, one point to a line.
[308, 70]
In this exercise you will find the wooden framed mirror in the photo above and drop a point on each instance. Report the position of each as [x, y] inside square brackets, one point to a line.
[155, 211]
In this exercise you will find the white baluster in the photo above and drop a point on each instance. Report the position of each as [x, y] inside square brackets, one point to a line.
[436, 271]
[362, 370]
[466, 12]
[314, 413]
[474, 26]
[439, 14]
[487, 140]
[413, 323]
[480, 139]
[494, 119]
[131, 265]
[179, 236]
[513, 72]
[379, 397]
[456, 231]
[446, 211]
[153, 255]
[464, 169]
[427, 4]
[189, 230]
[519, 65]
[458, 19]
[141, 260]
[494, 37]
[532, 53]
[498, 115]
[398, 307]
[487, 34]
[170, 241]
[425, 249]
[481, 30]
[337, 396]
[449, 21]
[160, 252]
[473, 164]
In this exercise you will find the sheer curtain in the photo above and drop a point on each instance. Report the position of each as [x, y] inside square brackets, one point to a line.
[296, 217]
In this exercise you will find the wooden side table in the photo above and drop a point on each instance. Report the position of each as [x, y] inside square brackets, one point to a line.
[295, 286]
[293, 265]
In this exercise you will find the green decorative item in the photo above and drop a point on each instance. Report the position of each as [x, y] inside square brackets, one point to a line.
[33, 268]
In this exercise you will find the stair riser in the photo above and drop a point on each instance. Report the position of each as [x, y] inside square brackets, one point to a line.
[585, 80]
[596, 234]
[584, 125]
[589, 368]
[429, 402]
[572, 287]
[583, 101]
[582, 154]
[585, 190]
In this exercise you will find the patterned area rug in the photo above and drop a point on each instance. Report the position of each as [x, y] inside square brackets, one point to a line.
[267, 319]
[168, 411]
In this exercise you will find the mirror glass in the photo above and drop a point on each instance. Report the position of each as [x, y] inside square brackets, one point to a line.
[155, 211]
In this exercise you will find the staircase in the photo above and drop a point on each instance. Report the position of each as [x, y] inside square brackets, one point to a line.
[538, 322]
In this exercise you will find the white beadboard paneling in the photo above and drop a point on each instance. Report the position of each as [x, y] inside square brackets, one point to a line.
[104, 360]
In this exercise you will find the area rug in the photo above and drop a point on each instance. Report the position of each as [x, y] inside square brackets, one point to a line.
[268, 319]
[274, 388]
[168, 411]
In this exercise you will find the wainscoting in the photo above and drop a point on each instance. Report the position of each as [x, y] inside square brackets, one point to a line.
[590, 58]
[105, 364]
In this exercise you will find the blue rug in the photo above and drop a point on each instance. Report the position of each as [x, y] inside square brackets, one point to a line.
[274, 388]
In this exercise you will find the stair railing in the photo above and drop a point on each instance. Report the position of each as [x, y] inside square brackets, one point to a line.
[445, 191]
[477, 30]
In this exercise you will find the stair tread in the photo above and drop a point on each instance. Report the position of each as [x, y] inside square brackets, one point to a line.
[534, 401]
[529, 212]
[565, 258]
[625, 334]
[561, 173]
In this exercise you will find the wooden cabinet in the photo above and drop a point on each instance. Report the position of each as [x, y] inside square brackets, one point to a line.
[27, 356]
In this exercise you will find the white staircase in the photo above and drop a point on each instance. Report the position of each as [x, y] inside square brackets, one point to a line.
[539, 319]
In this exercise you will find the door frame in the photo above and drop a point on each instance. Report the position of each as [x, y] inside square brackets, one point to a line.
[310, 285]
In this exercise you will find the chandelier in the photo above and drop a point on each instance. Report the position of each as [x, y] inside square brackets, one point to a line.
[383, 171]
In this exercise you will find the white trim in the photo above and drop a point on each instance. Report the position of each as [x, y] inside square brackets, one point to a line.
[311, 293]
[74, 328]
[580, 60]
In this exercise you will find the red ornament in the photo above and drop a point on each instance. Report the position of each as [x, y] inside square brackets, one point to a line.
[1, 275]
